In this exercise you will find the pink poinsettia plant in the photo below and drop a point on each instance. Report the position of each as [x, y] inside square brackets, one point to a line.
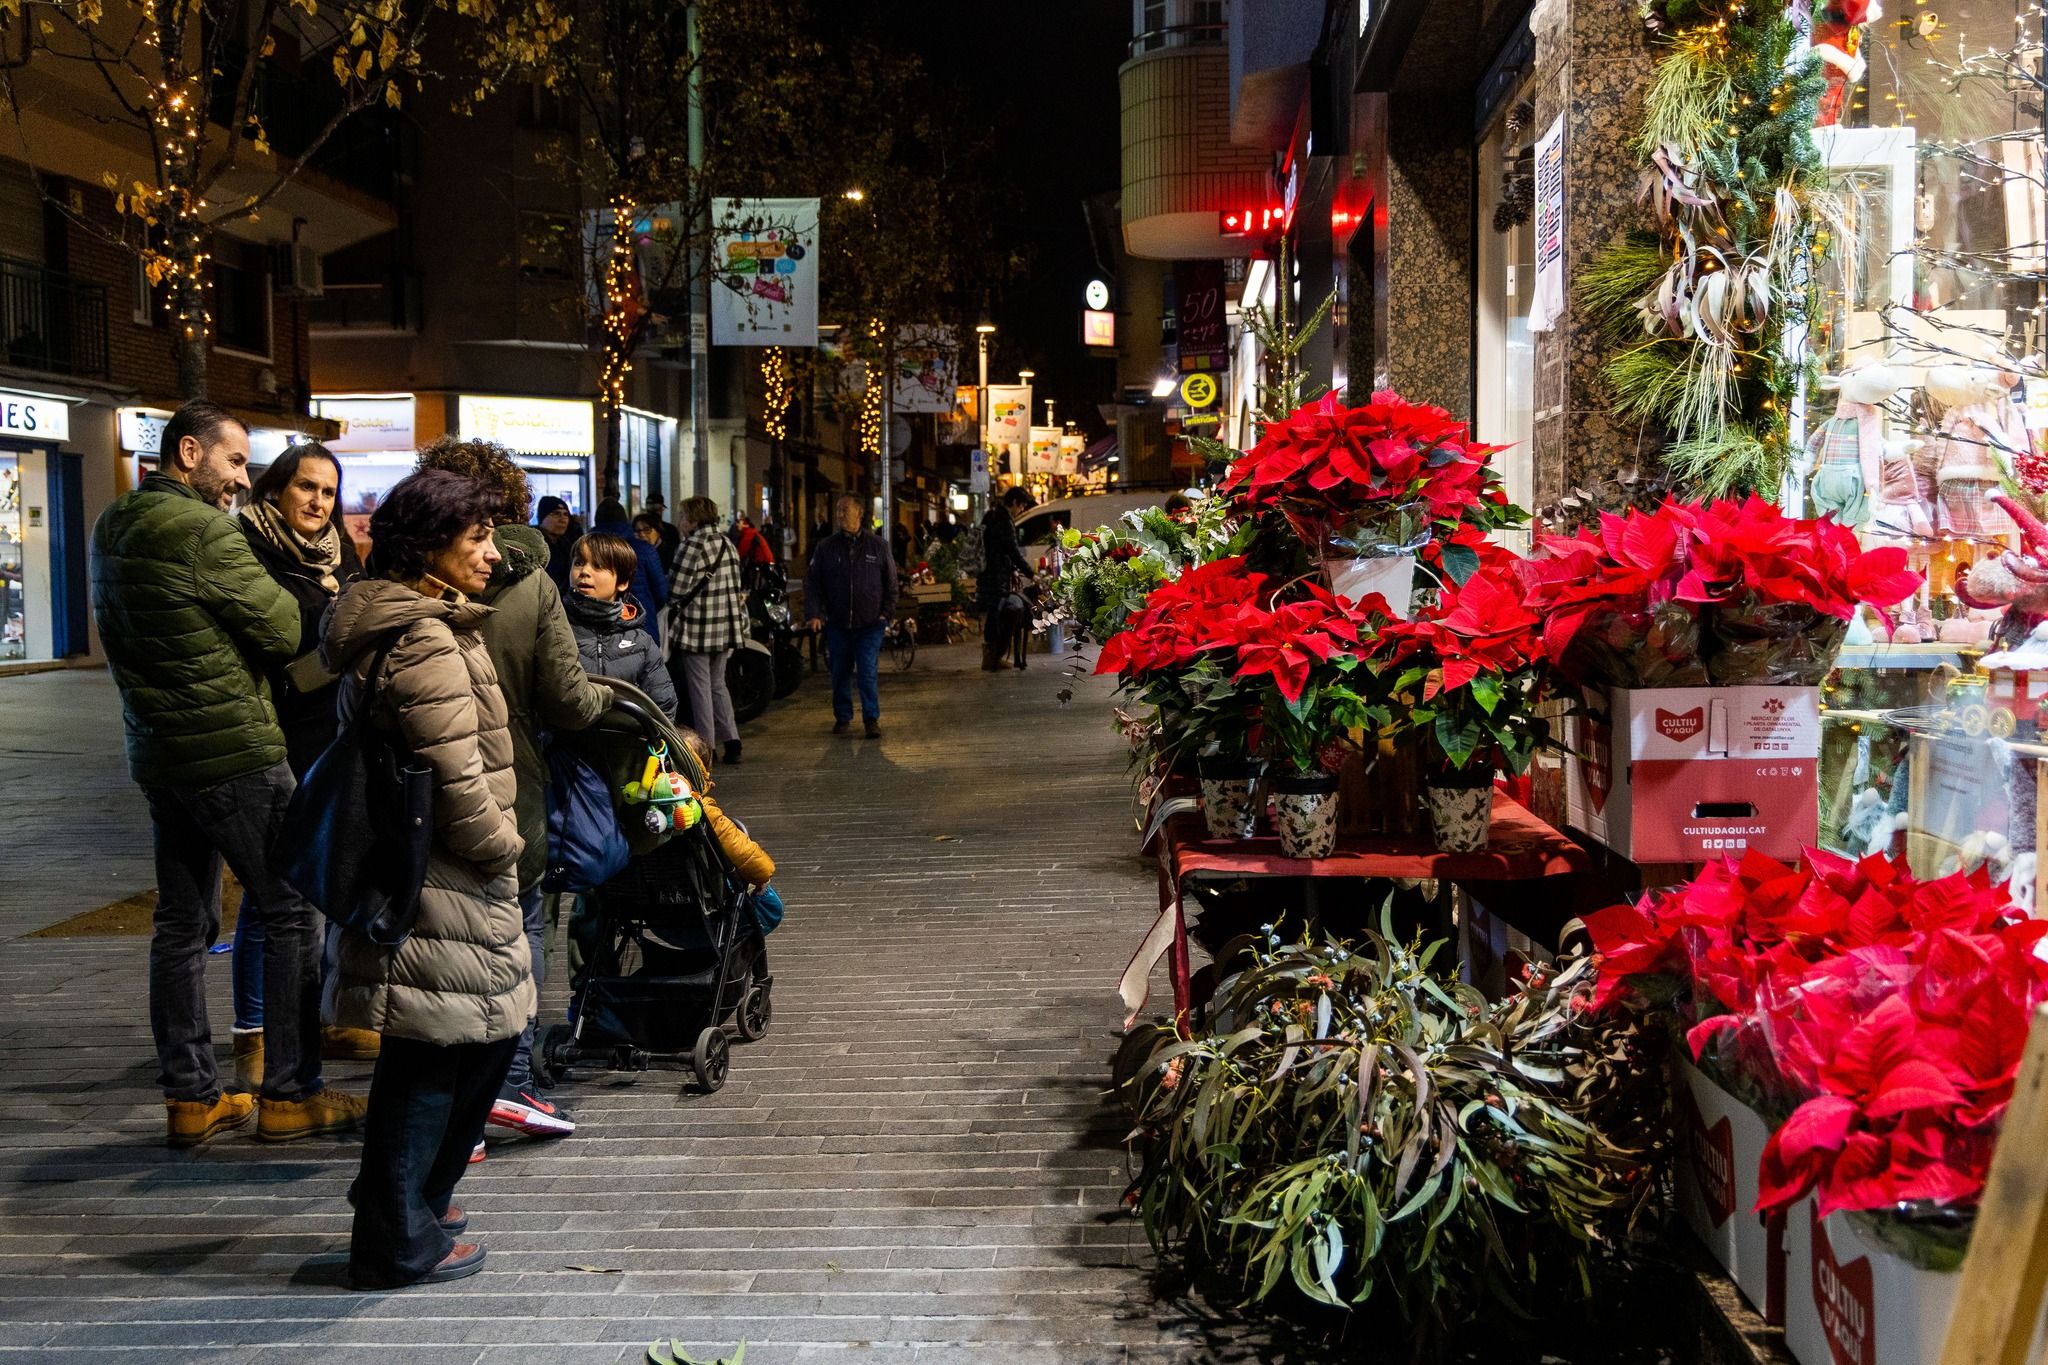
[1735, 591]
[1884, 1014]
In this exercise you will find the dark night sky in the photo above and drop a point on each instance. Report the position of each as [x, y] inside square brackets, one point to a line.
[1045, 75]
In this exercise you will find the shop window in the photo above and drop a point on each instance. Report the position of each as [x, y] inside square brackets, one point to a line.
[547, 245]
[1938, 273]
[1507, 275]
[241, 299]
[13, 565]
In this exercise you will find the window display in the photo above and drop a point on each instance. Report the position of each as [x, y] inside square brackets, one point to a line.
[13, 590]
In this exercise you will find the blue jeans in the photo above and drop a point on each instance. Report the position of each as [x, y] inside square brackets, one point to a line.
[850, 650]
[533, 911]
[246, 962]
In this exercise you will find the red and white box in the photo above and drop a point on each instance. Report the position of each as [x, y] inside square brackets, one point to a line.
[1690, 774]
[1851, 1302]
[1721, 1145]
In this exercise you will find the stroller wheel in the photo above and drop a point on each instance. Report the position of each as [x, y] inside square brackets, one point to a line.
[711, 1059]
[552, 1053]
[755, 1011]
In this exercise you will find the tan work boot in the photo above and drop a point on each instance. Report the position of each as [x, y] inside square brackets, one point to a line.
[329, 1111]
[350, 1044]
[191, 1122]
[249, 1060]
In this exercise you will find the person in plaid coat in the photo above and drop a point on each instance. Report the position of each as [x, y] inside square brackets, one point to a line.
[707, 620]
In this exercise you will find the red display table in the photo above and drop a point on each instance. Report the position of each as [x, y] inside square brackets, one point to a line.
[1521, 848]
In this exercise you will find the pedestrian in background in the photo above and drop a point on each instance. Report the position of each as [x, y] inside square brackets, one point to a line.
[707, 621]
[449, 1000]
[671, 537]
[551, 516]
[850, 594]
[292, 519]
[533, 652]
[755, 551]
[183, 607]
[1002, 562]
[650, 577]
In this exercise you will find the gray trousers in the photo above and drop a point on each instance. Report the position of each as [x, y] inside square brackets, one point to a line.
[710, 703]
[197, 828]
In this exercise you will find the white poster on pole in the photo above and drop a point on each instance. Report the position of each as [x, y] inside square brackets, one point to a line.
[1009, 424]
[924, 369]
[1071, 446]
[1044, 454]
[764, 272]
[1547, 303]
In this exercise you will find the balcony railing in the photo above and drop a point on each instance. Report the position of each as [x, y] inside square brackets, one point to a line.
[391, 304]
[1176, 35]
[52, 321]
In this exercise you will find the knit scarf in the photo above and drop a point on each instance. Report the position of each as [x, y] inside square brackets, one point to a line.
[605, 617]
[321, 555]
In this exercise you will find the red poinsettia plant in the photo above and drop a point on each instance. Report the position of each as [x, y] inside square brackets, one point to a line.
[1468, 671]
[1387, 476]
[1885, 1015]
[1735, 591]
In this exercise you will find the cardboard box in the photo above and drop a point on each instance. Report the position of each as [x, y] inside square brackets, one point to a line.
[1721, 1144]
[1851, 1302]
[1689, 774]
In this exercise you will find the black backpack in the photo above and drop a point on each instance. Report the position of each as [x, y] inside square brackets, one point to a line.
[359, 829]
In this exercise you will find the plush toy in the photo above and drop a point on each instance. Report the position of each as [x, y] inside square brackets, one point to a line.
[2016, 579]
[1980, 433]
[1847, 451]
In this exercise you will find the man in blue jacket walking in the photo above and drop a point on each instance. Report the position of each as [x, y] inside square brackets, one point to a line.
[850, 593]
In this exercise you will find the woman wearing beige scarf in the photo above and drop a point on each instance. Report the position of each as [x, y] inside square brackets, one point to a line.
[293, 521]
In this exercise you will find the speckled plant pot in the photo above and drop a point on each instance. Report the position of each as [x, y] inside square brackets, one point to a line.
[1230, 805]
[1305, 812]
[1461, 816]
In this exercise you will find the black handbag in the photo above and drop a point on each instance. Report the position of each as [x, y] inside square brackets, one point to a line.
[359, 829]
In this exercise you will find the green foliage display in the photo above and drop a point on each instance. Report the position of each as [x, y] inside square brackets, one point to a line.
[1353, 1126]
[1696, 312]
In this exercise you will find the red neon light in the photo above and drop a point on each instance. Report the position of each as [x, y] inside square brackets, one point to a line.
[1250, 221]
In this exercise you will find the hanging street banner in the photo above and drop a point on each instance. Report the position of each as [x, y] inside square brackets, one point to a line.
[1009, 424]
[1068, 463]
[764, 272]
[924, 369]
[1044, 457]
[1548, 301]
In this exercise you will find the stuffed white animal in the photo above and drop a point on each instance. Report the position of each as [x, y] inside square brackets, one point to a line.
[1846, 452]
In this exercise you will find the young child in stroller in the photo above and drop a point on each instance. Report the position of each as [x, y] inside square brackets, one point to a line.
[748, 858]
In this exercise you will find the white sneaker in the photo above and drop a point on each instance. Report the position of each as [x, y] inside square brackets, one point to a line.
[528, 1113]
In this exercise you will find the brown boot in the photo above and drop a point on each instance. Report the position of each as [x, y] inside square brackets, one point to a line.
[349, 1044]
[249, 1060]
[330, 1111]
[188, 1123]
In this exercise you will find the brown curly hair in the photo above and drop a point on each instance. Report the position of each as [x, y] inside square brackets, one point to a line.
[491, 465]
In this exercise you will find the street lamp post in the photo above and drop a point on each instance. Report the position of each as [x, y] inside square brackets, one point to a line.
[1025, 377]
[977, 502]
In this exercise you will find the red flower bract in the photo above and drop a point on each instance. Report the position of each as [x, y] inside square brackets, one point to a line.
[1893, 1010]
[1333, 462]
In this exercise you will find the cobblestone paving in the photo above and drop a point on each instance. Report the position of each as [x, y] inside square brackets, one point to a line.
[915, 1165]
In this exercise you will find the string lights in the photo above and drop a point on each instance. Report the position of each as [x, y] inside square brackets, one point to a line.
[776, 392]
[871, 395]
[618, 311]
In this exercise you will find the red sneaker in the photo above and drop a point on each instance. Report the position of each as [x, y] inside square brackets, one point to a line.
[528, 1113]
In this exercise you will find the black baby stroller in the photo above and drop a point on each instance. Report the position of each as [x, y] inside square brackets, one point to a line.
[672, 949]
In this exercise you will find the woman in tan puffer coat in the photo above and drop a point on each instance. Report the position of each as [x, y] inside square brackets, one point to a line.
[451, 999]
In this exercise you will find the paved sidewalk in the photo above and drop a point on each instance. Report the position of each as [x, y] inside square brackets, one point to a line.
[915, 1165]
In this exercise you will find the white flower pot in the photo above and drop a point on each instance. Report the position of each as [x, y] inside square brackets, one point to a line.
[1461, 816]
[1305, 812]
[1392, 577]
[1228, 807]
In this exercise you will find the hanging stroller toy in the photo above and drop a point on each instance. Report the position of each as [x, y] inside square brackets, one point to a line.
[669, 801]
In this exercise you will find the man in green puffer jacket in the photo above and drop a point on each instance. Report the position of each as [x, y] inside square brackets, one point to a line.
[541, 673]
[188, 618]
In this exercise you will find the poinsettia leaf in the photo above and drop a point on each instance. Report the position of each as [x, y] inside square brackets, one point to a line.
[1486, 691]
[1460, 563]
[1457, 736]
